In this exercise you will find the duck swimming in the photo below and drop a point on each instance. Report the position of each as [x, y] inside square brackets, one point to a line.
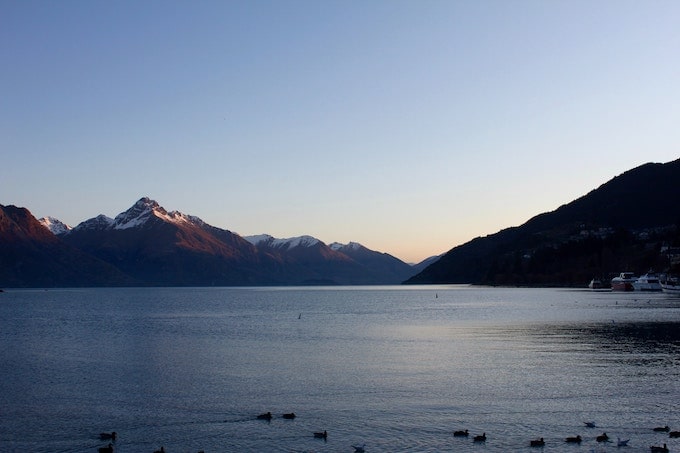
[537, 443]
[602, 437]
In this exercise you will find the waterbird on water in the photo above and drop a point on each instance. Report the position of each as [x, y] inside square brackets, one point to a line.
[359, 448]
[573, 440]
[656, 449]
[481, 438]
[602, 437]
[537, 442]
[461, 433]
[590, 424]
[107, 449]
[320, 435]
[662, 429]
[621, 442]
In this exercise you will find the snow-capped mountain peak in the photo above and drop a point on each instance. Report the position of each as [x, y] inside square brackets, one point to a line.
[137, 215]
[301, 241]
[261, 240]
[146, 208]
[350, 246]
[56, 226]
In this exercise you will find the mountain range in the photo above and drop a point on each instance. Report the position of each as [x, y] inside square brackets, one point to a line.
[627, 224]
[149, 246]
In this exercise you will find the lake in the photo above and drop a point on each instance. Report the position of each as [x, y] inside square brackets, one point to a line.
[395, 368]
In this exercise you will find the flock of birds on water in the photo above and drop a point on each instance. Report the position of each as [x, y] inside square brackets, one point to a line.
[266, 416]
[578, 439]
[461, 433]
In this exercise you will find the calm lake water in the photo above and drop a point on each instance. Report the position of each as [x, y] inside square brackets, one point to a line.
[395, 368]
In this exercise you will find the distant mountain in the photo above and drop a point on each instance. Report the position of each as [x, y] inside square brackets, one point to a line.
[32, 256]
[622, 225]
[307, 260]
[424, 263]
[392, 269]
[299, 245]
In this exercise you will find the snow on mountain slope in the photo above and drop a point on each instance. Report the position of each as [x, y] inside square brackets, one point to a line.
[56, 226]
[144, 209]
[137, 215]
[265, 240]
[338, 247]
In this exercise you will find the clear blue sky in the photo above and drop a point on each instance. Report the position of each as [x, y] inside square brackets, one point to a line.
[408, 126]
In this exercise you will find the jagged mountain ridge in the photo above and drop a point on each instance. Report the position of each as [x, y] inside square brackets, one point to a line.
[156, 247]
[619, 226]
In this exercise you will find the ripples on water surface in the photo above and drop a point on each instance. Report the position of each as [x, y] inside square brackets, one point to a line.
[396, 368]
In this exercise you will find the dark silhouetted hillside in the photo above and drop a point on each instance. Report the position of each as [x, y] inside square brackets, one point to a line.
[622, 225]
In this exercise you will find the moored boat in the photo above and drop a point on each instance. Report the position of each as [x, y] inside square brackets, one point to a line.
[647, 282]
[624, 282]
[670, 284]
[595, 283]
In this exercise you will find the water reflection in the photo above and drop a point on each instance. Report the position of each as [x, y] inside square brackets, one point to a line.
[642, 336]
[639, 337]
[636, 343]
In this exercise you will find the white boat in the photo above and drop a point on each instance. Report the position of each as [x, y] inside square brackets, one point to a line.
[624, 282]
[647, 282]
[595, 283]
[670, 285]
